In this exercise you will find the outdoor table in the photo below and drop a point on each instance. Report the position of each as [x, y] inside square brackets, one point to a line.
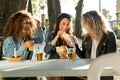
[53, 67]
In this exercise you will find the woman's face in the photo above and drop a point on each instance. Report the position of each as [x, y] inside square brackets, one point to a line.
[64, 25]
[26, 25]
[84, 26]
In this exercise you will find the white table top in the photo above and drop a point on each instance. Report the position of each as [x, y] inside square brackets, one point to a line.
[55, 67]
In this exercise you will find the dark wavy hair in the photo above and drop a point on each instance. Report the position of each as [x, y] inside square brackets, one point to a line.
[61, 17]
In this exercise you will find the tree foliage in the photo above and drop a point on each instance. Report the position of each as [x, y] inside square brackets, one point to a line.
[7, 7]
[38, 5]
[78, 8]
[54, 10]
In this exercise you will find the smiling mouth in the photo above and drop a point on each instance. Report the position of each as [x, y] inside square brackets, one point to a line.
[26, 28]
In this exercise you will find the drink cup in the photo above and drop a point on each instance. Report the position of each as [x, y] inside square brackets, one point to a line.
[72, 56]
[31, 48]
[71, 53]
[39, 56]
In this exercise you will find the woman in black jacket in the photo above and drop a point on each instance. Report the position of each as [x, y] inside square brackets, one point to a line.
[97, 38]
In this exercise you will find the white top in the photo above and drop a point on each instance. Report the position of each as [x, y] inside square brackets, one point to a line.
[94, 48]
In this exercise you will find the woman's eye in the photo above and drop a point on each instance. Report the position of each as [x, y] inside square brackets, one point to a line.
[63, 23]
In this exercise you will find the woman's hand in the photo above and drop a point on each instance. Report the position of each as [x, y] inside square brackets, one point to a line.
[27, 44]
[60, 33]
[62, 52]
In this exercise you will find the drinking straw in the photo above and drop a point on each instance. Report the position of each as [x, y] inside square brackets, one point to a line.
[15, 52]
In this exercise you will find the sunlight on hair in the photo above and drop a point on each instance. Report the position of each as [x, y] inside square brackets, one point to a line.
[107, 24]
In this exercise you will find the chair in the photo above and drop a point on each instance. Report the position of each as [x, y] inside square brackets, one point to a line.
[98, 65]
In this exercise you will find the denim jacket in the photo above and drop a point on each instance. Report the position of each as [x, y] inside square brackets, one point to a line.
[9, 46]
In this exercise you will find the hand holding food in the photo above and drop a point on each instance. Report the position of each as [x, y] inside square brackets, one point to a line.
[62, 51]
[28, 44]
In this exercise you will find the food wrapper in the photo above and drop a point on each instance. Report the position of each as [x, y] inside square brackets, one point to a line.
[14, 59]
[68, 38]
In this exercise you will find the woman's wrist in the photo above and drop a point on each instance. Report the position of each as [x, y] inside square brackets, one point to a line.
[53, 42]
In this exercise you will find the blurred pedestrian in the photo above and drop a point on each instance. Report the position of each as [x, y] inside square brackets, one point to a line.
[39, 32]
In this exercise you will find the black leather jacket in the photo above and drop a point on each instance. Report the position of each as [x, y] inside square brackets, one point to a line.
[106, 45]
[51, 49]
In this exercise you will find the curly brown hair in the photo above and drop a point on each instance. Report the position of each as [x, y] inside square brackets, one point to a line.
[14, 25]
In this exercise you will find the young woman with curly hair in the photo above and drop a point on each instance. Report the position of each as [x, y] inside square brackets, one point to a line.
[19, 26]
[18, 33]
